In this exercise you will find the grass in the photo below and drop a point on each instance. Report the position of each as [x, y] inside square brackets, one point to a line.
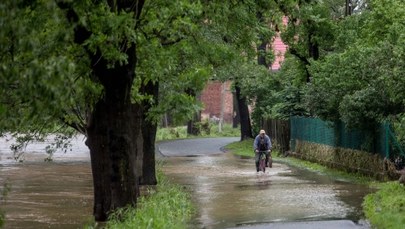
[386, 207]
[169, 206]
[241, 148]
[181, 132]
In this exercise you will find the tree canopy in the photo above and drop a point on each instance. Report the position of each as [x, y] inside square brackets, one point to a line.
[340, 65]
[110, 69]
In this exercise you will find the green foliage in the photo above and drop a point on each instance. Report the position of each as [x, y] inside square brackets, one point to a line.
[169, 206]
[41, 79]
[353, 79]
[170, 133]
[386, 207]
[363, 109]
[275, 95]
[360, 83]
[226, 131]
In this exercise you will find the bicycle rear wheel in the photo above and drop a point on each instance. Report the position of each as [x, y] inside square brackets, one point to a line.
[270, 162]
[262, 163]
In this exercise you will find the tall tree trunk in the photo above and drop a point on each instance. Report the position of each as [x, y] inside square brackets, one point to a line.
[149, 129]
[114, 133]
[191, 127]
[110, 137]
[113, 151]
[236, 116]
[245, 125]
[114, 137]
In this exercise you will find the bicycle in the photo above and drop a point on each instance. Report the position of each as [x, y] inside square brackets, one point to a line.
[262, 161]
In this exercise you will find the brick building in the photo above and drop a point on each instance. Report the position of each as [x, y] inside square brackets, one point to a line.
[217, 96]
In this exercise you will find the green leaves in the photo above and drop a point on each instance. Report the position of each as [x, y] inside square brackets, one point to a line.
[361, 84]
[111, 32]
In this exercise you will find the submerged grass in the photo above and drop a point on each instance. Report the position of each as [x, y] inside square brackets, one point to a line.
[169, 206]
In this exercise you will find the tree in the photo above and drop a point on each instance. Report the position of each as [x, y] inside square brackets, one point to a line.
[243, 29]
[94, 48]
[108, 69]
[356, 84]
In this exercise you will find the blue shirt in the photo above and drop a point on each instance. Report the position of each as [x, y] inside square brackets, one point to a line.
[266, 141]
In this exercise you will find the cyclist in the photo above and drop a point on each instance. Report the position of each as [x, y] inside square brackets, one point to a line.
[262, 143]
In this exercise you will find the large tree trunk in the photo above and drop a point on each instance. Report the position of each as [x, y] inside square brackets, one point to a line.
[114, 138]
[149, 129]
[245, 125]
[113, 150]
[114, 134]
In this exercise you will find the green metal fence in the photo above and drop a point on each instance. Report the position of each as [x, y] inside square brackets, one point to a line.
[381, 140]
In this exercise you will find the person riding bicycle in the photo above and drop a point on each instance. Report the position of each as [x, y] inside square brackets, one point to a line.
[262, 143]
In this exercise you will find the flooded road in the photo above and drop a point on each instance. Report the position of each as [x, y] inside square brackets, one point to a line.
[229, 192]
[225, 188]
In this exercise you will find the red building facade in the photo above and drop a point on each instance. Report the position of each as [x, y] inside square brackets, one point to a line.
[217, 96]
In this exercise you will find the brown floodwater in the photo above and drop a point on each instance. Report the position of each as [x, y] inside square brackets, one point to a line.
[226, 190]
[229, 192]
[56, 194]
[48, 195]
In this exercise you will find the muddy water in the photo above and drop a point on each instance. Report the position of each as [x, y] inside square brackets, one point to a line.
[229, 192]
[226, 190]
[56, 194]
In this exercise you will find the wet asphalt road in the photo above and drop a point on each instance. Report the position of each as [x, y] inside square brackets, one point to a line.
[208, 147]
[194, 147]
